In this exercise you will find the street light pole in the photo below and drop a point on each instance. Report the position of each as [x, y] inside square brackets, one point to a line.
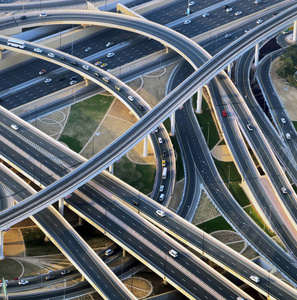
[228, 176]
[122, 268]
[207, 133]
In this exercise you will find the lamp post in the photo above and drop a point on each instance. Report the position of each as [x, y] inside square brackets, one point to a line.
[207, 133]
[122, 268]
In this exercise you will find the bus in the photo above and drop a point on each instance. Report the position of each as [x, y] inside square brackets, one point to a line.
[164, 173]
[16, 44]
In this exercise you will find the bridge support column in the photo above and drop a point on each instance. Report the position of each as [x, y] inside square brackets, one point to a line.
[110, 168]
[294, 34]
[80, 221]
[256, 55]
[145, 147]
[124, 253]
[61, 206]
[1, 244]
[46, 239]
[87, 81]
[229, 70]
[166, 49]
[199, 101]
[1, 54]
[172, 119]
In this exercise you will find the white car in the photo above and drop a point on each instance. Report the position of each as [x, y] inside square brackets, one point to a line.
[160, 213]
[14, 127]
[284, 190]
[238, 13]
[161, 197]
[23, 282]
[47, 80]
[160, 140]
[42, 15]
[283, 120]
[64, 272]
[37, 50]
[161, 189]
[187, 22]
[205, 15]
[227, 36]
[257, 1]
[88, 49]
[260, 21]
[108, 44]
[86, 67]
[247, 30]
[109, 252]
[111, 54]
[249, 127]
[51, 55]
[255, 278]
[72, 82]
[192, 3]
[288, 136]
[229, 9]
[239, 298]
[173, 253]
[131, 98]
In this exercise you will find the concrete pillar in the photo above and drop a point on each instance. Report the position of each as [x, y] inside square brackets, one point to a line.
[294, 32]
[229, 69]
[1, 244]
[46, 239]
[124, 253]
[172, 119]
[87, 81]
[61, 206]
[256, 55]
[145, 147]
[79, 221]
[199, 101]
[111, 168]
[1, 54]
[166, 49]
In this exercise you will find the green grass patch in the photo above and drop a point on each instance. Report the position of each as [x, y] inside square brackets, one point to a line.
[295, 124]
[83, 120]
[251, 211]
[239, 194]
[167, 124]
[179, 162]
[223, 168]
[141, 177]
[207, 124]
[35, 244]
[218, 223]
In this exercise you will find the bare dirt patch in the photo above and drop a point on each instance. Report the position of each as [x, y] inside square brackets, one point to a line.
[226, 236]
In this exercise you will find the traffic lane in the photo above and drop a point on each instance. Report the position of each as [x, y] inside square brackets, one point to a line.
[146, 249]
[89, 263]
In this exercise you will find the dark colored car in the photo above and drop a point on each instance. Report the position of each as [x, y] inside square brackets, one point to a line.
[23, 17]
[136, 203]
[164, 153]
[74, 63]
[73, 78]
[62, 58]
[50, 277]
[61, 79]
[140, 107]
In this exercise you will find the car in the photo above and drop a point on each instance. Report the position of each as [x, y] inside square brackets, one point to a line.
[52, 55]
[109, 252]
[88, 49]
[23, 17]
[160, 140]
[164, 153]
[136, 203]
[205, 15]
[111, 54]
[98, 63]
[106, 79]
[72, 82]
[191, 3]
[255, 278]
[62, 58]
[104, 65]
[74, 63]
[108, 44]
[161, 189]
[50, 277]
[283, 120]
[23, 282]
[187, 22]
[163, 163]
[64, 272]
[225, 7]
[173, 253]
[257, 1]
[117, 87]
[97, 74]
[161, 197]
[284, 190]
[287, 31]
[14, 127]
[73, 77]
[227, 36]
[160, 213]
[259, 21]
[157, 130]
[131, 98]
[41, 15]
[288, 136]
[47, 80]
[1, 284]
[238, 13]
[224, 113]
[38, 50]
[229, 9]
[43, 71]
[140, 107]
[249, 127]
[247, 30]
[274, 15]
[239, 298]
[86, 67]
[61, 79]
[68, 196]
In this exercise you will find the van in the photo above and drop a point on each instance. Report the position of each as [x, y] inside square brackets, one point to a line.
[173, 253]
[106, 79]
[109, 252]
[161, 197]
